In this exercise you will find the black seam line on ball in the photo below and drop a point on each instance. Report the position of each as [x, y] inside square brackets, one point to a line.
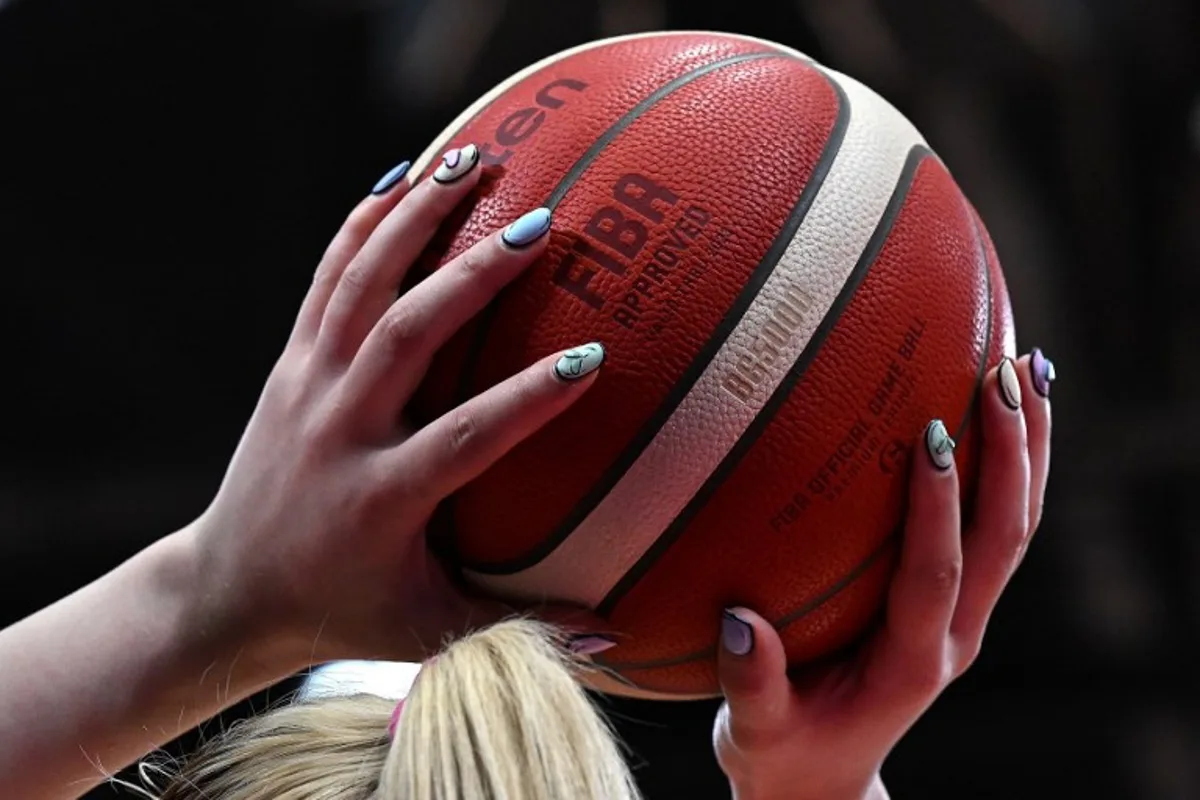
[988, 333]
[621, 669]
[860, 569]
[731, 460]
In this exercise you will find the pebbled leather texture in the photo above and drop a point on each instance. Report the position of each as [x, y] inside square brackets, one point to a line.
[798, 527]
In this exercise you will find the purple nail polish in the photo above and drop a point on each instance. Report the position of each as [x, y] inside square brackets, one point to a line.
[1042, 372]
[736, 634]
[452, 158]
[590, 645]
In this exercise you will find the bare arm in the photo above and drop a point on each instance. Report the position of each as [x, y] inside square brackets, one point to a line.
[316, 536]
[120, 667]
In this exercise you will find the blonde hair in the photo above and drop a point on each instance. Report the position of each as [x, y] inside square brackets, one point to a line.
[498, 715]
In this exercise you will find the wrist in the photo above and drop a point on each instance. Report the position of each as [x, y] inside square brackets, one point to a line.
[216, 614]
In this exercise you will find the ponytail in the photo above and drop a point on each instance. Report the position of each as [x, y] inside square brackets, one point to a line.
[498, 715]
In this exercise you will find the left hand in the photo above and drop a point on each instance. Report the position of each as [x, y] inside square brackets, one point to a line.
[314, 546]
[826, 736]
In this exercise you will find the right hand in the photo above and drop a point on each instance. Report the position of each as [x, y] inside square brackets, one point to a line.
[826, 736]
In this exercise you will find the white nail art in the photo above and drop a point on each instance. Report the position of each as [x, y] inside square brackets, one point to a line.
[579, 361]
[1010, 385]
[940, 445]
[456, 163]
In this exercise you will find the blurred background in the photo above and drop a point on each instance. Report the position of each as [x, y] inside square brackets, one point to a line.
[170, 173]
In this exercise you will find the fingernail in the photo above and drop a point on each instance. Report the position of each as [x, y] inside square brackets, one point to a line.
[457, 163]
[590, 645]
[939, 445]
[1010, 385]
[1043, 372]
[528, 229]
[392, 177]
[579, 361]
[737, 636]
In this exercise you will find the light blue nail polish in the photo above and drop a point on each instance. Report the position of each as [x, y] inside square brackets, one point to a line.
[939, 445]
[391, 178]
[579, 361]
[528, 229]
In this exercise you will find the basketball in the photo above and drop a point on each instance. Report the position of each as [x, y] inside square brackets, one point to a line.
[788, 284]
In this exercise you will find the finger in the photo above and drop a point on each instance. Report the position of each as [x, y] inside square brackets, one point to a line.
[752, 668]
[909, 663]
[369, 283]
[358, 226]
[996, 538]
[460, 445]
[396, 353]
[1037, 373]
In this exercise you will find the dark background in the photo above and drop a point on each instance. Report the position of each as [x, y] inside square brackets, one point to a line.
[171, 171]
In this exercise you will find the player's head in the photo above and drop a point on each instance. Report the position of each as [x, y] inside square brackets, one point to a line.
[497, 714]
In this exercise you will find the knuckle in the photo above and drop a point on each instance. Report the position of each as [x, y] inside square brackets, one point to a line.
[291, 370]
[474, 263]
[749, 738]
[325, 270]
[354, 278]
[526, 387]
[476, 268]
[463, 432]
[360, 223]
[927, 677]
[1013, 538]
[288, 386]
[942, 578]
[401, 330]
[432, 203]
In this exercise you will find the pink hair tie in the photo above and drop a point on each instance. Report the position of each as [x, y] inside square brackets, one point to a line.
[395, 720]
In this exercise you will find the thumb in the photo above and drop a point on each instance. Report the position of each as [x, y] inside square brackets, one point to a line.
[752, 668]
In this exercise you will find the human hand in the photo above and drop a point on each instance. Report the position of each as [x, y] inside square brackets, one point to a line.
[315, 541]
[826, 734]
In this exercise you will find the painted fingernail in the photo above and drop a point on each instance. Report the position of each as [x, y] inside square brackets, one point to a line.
[528, 228]
[590, 645]
[392, 177]
[1010, 385]
[737, 636]
[579, 361]
[939, 445]
[1043, 372]
[457, 163]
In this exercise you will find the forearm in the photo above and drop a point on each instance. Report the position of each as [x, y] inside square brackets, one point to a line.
[109, 673]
